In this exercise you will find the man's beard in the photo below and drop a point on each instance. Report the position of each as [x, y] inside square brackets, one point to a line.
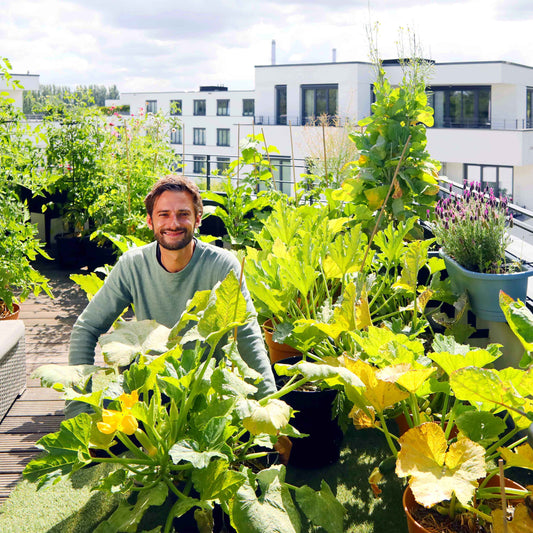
[175, 244]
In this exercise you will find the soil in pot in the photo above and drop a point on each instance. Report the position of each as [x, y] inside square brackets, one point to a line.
[5, 314]
[314, 417]
[422, 520]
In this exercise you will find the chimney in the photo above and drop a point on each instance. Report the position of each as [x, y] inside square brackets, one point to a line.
[273, 60]
[334, 55]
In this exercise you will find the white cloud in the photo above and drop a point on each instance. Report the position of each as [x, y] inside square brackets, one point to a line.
[173, 44]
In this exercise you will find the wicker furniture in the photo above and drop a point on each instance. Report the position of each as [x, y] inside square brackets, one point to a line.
[12, 363]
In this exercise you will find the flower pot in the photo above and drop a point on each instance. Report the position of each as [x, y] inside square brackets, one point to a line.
[277, 350]
[314, 417]
[410, 505]
[484, 289]
[13, 315]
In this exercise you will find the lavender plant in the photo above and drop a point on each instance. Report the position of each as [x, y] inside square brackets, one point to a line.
[472, 228]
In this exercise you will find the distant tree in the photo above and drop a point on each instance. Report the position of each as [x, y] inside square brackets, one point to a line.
[51, 95]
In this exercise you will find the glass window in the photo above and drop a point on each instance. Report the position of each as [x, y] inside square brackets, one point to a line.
[319, 102]
[199, 162]
[175, 136]
[199, 108]
[175, 107]
[248, 107]
[461, 107]
[498, 177]
[151, 106]
[198, 136]
[222, 163]
[281, 104]
[505, 181]
[529, 107]
[222, 108]
[282, 174]
[222, 137]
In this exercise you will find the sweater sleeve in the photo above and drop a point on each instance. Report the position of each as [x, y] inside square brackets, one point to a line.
[96, 319]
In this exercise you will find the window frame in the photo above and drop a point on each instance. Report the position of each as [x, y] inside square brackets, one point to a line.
[176, 110]
[223, 110]
[223, 134]
[199, 160]
[315, 87]
[247, 113]
[198, 136]
[150, 106]
[176, 133]
[199, 107]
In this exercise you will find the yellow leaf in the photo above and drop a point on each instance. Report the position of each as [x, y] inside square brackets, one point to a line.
[361, 420]
[521, 456]
[362, 312]
[522, 521]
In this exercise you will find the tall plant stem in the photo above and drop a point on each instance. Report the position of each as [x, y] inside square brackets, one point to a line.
[268, 158]
[292, 159]
[387, 433]
[325, 153]
[392, 185]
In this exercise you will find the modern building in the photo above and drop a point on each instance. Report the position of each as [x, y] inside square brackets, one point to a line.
[483, 117]
[29, 82]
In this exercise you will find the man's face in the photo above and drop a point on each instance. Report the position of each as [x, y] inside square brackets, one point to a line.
[173, 220]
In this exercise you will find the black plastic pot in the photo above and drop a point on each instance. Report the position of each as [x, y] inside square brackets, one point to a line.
[314, 417]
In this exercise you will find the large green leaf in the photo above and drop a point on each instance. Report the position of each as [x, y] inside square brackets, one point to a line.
[269, 418]
[126, 518]
[217, 481]
[519, 318]
[480, 426]
[270, 511]
[450, 362]
[321, 507]
[437, 472]
[227, 383]
[130, 339]
[68, 376]
[67, 448]
[189, 451]
[90, 283]
[226, 310]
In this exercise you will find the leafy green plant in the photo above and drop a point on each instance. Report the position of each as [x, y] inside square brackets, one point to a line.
[19, 245]
[520, 320]
[192, 431]
[399, 119]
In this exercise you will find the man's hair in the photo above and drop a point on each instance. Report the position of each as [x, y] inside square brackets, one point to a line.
[174, 182]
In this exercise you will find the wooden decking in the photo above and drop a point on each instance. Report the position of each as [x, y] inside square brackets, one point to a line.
[39, 410]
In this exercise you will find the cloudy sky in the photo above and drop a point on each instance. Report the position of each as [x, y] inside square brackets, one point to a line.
[179, 45]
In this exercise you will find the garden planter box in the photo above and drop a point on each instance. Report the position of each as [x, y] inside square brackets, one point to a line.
[12, 363]
[314, 417]
[484, 289]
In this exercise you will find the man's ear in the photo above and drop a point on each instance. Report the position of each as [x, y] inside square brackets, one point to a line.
[149, 222]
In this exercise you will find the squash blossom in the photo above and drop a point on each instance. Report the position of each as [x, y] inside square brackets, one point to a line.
[123, 420]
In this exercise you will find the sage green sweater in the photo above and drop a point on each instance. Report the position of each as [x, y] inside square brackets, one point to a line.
[139, 279]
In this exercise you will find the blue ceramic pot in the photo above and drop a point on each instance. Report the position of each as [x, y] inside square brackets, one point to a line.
[484, 289]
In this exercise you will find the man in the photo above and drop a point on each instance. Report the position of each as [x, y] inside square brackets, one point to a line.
[159, 279]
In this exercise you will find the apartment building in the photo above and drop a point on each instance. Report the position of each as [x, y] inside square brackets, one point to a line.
[29, 82]
[483, 117]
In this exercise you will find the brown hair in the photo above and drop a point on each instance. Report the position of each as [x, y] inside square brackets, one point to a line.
[174, 182]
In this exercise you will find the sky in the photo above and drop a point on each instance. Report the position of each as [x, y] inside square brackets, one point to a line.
[165, 45]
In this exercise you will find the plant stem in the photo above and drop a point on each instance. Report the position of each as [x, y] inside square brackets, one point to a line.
[387, 433]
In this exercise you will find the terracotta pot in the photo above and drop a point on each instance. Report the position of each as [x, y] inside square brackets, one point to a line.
[14, 315]
[410, 504]
[277, 351]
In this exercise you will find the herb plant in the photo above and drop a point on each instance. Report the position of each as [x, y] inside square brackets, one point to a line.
[472, 228]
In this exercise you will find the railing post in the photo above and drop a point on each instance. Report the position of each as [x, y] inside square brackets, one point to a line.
[208, 172]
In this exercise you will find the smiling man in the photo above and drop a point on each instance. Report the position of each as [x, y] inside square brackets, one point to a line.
[160, 278]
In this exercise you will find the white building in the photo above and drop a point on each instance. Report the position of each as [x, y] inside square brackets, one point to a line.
[29, 82]
[483, 117]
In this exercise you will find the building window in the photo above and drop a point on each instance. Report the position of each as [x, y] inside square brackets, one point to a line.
[319, 101]
[199, 163]
[222, 163]
[175, 107]
[199, 108]
[198, 135]
[499, 178]
[281, 167]
[460, 107]
[151, 106]
[222, 137]
[175, 136]
[281, 104]
[223, 108]
[529, 107]
[248, 107]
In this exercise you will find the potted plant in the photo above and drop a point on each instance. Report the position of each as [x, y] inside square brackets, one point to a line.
[471, 229]
[19, 245]
[191, 431]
